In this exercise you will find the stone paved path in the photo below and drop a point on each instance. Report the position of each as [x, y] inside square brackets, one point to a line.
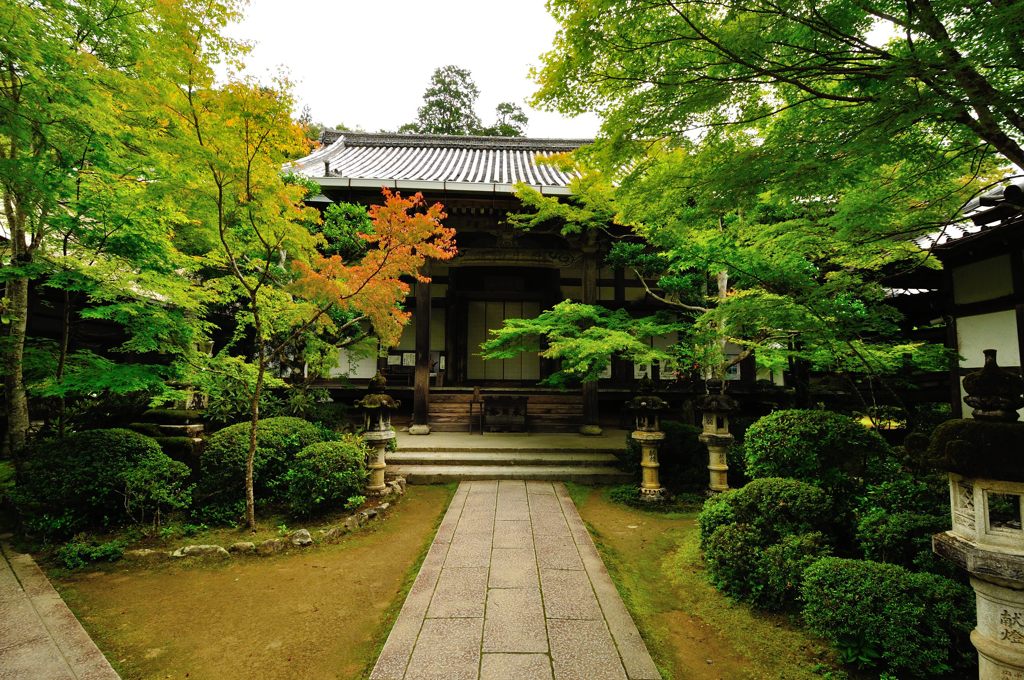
[39, 636]
[513, 587]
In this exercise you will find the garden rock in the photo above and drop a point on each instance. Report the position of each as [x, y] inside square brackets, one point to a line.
[271, 546]
[200, 551]
[383, 508]
[301, 538]
[354, 522]
[144, 555]
[242, 547]
[335, 533]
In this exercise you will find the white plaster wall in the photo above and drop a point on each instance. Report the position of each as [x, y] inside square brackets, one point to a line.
[354, 366]
[982, 280]
[997, 331]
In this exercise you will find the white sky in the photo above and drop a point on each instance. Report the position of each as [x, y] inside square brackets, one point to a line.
[366, 63]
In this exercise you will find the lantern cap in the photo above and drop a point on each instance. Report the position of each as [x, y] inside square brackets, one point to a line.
[376, 398]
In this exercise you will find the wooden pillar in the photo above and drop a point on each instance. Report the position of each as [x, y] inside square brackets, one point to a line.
[421, 378]
[591, 405]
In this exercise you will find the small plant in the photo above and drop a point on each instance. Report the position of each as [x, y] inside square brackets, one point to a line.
[353, 502]
[626, 494]
[282, 529]
[80, 551]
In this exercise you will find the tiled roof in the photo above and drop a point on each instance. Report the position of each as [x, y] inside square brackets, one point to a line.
[491, 164]
[995, 209]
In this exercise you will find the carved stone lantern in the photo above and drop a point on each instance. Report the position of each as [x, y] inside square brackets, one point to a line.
[985, 460]
[716, 407]
[647, 408]
[378, 433]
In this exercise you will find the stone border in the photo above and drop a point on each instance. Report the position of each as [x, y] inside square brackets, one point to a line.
[299, 538]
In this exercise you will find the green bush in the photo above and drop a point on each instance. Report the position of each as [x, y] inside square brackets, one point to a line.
[896, 520]
[717, 512]
[758, 540]
[730, 554]
[80, 552]
[326, 475]
[746, 566]
[774, 507]
[884, 616]
[823, 447]
[97, 479]
[780, 569]
[220, 495]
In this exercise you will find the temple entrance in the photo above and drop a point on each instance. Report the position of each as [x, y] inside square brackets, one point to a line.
[485, 316]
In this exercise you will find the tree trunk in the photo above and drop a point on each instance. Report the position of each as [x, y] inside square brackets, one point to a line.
[62, 360]
[15, 399]
[254, 410]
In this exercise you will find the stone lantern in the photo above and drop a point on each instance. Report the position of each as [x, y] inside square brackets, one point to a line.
[716, 407]
[377, 407]
[647, 408]
[986, 488]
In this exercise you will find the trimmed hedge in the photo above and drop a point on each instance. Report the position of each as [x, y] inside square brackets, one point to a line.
[221, 490]
[757, 540]
[326, 475]
[775, 507]
[912, 625]
[822, 447]
[95, 480]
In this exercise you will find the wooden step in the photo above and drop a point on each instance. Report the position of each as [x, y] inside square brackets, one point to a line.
[502, 457]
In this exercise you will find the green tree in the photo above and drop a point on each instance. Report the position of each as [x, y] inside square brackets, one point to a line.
[449, 108]
[773, 160]
[72, 166]
[449, 104]
[511, 121]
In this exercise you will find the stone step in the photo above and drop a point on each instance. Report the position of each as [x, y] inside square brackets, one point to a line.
[434, 474]
[501, 457]
[506, 448]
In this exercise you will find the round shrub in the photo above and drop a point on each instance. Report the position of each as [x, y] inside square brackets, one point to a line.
[912, 625]
[775, 507]
[97, 479]
[822, 447]
[717, 511]
[221, 490]
[731, 551]
[326, 475]
[780, 569]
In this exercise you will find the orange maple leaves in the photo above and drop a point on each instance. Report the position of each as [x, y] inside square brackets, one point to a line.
[407, 233]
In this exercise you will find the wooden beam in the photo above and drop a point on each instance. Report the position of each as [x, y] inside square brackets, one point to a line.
[591, 403]
[421, 378]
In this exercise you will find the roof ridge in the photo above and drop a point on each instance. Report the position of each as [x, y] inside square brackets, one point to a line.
[329, 136]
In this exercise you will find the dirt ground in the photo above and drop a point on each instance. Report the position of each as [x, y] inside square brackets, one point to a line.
[692, 630]
[321, 613]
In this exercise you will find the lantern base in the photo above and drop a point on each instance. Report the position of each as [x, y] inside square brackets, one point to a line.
[652, 495]
[419, 429]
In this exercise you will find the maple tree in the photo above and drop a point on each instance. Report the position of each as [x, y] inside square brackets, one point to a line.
[227, 144]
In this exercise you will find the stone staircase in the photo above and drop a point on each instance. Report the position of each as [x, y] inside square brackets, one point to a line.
[427, 462]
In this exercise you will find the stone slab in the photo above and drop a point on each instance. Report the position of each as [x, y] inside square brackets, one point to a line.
[515, 621]
[583, 650]
[447, 649]
[460, 592]
[513, 534]
[513, 568]
[515, 667]
[568, 595]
